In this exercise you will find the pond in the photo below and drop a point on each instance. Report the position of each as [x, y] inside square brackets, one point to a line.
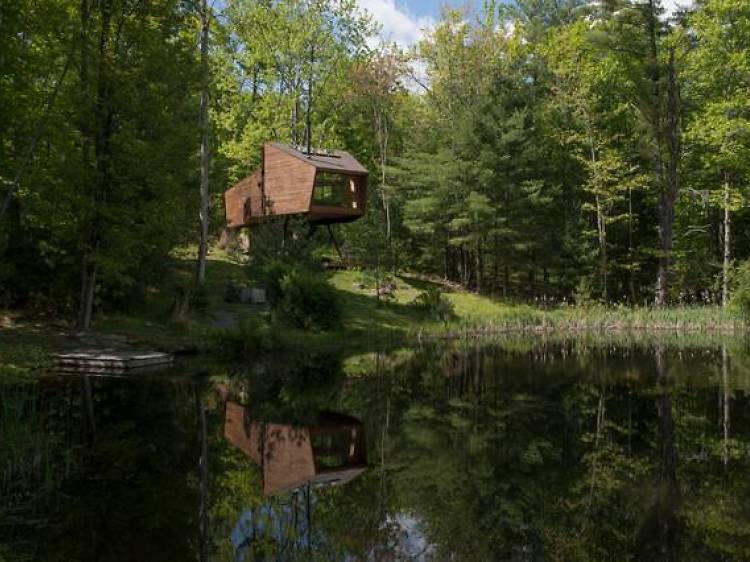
[497, 450]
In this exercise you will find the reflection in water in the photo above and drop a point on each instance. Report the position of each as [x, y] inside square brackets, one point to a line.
[294, 460]
[495, 451]
[290, 457]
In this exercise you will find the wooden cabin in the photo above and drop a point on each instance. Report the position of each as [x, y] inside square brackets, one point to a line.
[330, 453]
[325, 186]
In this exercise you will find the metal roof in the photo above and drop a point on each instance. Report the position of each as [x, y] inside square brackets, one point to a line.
[326, 160]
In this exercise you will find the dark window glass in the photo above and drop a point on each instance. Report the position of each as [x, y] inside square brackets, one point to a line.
[335, 190]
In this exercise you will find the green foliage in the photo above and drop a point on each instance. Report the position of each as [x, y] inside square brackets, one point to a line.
[539, 159]
[199, 299]
[249, 337]
[308, 301]
[301, 296]
[272, 275]
[740, 300]
[434, 305]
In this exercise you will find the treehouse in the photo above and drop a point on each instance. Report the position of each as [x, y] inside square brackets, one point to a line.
[329, 453]
[324, 186]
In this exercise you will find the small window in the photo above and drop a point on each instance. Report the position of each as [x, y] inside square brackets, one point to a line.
[330, 449]
[335, 190]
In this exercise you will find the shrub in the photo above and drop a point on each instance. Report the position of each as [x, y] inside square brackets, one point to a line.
[272, 274]
[435, 305]
[308, 300]
[740, 300]
[583, 296]
[199, 299]
[249, 336]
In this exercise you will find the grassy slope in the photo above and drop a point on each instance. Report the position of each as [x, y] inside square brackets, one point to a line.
[479, 314]
[365, 322]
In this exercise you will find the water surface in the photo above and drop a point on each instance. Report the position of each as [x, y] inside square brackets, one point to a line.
[481, 451]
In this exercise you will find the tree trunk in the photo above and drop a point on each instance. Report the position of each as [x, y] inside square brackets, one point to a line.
[381, 129]
[88, 288]
[727, 246]
[601, 224]
[670, 188]
[478, 266]
[726, 396]
[102, 134]
[205, 162]
[203, 477]
[665, 214]
[668, 496]
[631, 281]
[38, 132]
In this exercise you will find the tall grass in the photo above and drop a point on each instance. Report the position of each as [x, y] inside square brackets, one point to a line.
[594, 319]
[30, 455]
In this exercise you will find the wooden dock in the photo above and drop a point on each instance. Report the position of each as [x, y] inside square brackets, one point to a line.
[112, 361]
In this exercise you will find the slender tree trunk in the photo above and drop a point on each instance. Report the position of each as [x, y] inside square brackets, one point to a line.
[670, 189]
[381, 128]
[203, 477]
[631, 281]
[506, 279]
[495, 264]
[668, 495]
[36, 136]
[205, 158]
[506, 265]
[102, 134]
[88, 290]
[478, 266]
[602, 234]
[88, 405]
[727, 244]
[725, 388]
[665, 234]
[601, 225]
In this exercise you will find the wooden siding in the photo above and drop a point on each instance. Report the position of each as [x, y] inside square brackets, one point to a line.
[285, 452]
[242, 432]
[288, 182]
[243, 201]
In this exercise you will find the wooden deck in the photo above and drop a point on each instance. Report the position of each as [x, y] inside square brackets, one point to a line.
[112, 361]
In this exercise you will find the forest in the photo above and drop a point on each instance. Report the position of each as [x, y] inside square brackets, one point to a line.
[539, 151]
[528, 340]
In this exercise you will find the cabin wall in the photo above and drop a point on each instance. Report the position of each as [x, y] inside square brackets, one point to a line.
[288, 182]
[243, 433]
[244, 201]
[288, 458]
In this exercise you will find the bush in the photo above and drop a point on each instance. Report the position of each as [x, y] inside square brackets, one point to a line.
[308, 301]
[199, 299]
[249, 336]
[273, 273]
[435, 305]
[740, 300]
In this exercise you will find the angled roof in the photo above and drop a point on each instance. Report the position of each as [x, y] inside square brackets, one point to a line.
[328, 161]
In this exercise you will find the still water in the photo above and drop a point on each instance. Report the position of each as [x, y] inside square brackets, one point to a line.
[482, 451]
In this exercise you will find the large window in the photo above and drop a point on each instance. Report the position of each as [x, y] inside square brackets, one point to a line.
[335, 190]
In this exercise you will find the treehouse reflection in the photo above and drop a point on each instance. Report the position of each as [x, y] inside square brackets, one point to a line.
[325, 186]
[332, 452]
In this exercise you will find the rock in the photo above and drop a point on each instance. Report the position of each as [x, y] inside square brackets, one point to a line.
[257, 295]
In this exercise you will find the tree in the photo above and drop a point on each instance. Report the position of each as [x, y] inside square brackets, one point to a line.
[719, 130]
[205, 14]
[637, 34]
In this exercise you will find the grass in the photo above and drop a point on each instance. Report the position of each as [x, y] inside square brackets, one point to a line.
[26, 345]
[477, 315]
